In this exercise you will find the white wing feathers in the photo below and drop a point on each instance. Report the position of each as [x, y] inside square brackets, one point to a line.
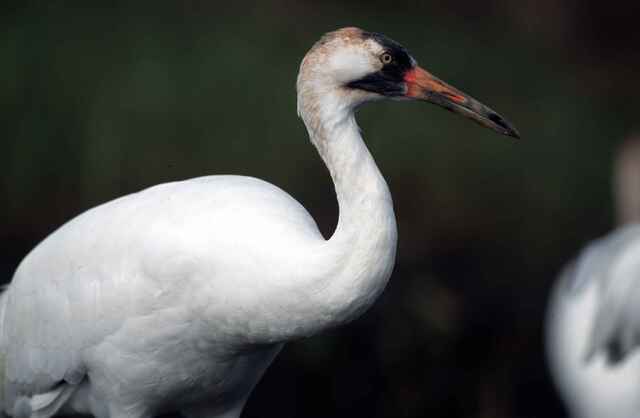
[614, 262]
[85, 281]
[43, 405]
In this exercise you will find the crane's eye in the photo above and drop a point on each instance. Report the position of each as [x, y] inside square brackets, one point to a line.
[386, 58]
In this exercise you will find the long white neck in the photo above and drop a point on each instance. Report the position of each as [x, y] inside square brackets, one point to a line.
[356, 262]
[330, 282]
[320, 284]
[364, 200]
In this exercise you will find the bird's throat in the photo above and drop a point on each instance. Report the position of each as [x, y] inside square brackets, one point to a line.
[361, 251]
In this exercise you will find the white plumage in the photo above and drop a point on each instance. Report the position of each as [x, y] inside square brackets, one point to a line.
[592, 331]
[593, 320]
[177, 298]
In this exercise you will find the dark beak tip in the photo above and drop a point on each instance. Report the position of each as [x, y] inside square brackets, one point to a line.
[504, 126]
[513, 133]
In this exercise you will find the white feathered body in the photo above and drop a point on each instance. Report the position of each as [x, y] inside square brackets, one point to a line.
[174, 296]
[177, 298]
[594, 308]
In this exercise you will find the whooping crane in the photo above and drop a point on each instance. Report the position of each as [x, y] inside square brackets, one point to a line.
[178, 297]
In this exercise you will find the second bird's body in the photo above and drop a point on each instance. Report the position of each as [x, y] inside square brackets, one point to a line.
[593, 321]
[589, 310]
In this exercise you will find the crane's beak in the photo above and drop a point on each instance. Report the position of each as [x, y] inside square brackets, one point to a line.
[422, 85]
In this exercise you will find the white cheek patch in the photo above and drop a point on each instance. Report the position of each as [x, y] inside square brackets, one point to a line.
[373, 47]
[351, 63]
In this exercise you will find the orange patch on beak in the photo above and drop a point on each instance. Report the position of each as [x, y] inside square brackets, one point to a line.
[420, 83]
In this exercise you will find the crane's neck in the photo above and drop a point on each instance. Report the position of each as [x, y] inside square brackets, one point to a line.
[364, 199]
[358, 258]
[324, 283]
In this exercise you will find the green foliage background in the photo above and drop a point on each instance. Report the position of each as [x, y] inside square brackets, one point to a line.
[99, 101]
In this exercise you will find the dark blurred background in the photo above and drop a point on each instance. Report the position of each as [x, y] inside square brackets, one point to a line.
[96, 102]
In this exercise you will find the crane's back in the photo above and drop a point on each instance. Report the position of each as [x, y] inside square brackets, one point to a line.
[134, 274]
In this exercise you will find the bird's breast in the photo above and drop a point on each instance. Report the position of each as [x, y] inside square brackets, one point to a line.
[173, 359]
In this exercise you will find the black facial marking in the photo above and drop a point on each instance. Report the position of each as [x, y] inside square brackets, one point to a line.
[379, 83]
[389, 81]
[401, 59]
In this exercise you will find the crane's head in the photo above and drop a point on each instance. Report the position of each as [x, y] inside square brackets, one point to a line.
[363, 66]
